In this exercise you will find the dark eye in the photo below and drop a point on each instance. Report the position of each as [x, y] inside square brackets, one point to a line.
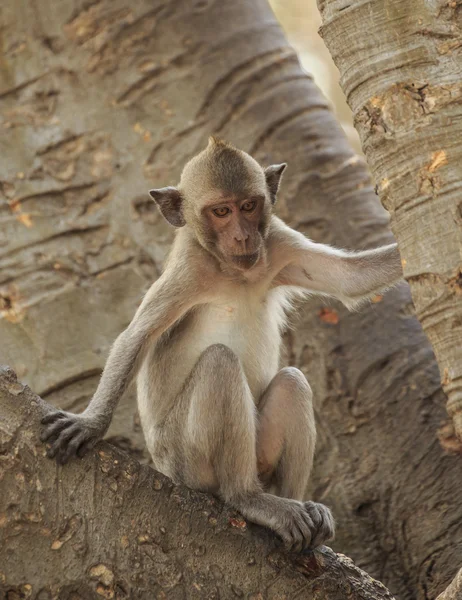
[222, 211]
[249, 205]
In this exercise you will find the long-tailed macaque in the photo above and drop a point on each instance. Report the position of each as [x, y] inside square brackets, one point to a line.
[217, 413]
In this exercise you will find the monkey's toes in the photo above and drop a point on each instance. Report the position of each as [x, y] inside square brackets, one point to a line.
[323, 523]
[302, 532]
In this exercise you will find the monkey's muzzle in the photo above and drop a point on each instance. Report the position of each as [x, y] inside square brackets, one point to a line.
[246, 261]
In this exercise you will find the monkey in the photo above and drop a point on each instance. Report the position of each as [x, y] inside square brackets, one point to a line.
[217, 412]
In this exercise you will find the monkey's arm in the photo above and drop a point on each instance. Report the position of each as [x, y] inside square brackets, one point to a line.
[349, 276]
[168, 299]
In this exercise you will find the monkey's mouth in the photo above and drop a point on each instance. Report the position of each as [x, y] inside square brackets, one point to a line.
[246, 261]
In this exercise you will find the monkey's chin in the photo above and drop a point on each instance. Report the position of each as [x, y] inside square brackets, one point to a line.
[245, 262]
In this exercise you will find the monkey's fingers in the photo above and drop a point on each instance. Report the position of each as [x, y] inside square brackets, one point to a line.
[72, 448]
[53, 430]
[62, 439]
[52, 416]
[86, 446]
[71, 445]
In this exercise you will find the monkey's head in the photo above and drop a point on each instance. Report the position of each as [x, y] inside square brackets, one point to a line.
[226, 198]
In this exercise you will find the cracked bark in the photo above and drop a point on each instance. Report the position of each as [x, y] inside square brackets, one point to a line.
[125, 531]
[79, 153]
[409, 118]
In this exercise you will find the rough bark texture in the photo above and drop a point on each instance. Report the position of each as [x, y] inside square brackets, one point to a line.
[402, 76]
[109, 527]
[454, 591]
[101, 101]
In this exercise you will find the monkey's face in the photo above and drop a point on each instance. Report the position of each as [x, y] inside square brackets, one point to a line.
[234, 229]
[226, 198]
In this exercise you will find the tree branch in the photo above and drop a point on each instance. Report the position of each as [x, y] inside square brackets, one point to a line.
[106, 526]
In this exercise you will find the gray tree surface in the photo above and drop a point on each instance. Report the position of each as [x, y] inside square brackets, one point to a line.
[100, 101]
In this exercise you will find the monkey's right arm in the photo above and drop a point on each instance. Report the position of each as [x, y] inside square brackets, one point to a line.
[168, 299]
[351, 277]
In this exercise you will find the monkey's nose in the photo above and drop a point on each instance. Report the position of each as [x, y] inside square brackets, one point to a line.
[241, 236]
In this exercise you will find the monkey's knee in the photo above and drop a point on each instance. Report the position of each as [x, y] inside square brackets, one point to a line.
[219, 354]
[218, 365]
[294, 378]
[295, 384]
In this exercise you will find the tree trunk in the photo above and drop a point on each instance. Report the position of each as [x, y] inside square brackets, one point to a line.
[402, 76]
[101, 101]
[109, 528]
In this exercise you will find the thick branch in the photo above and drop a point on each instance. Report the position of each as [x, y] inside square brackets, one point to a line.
[122, 530]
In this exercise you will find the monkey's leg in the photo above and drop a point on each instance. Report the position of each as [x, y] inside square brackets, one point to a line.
[219, 439]
[286, 434]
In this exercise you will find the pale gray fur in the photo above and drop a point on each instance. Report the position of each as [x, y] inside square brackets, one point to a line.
[204, 344]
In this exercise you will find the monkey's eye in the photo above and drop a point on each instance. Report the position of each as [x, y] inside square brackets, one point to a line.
[249, 205]
[222, 211]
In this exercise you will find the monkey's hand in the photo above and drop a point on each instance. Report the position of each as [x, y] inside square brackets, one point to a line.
[71, 434]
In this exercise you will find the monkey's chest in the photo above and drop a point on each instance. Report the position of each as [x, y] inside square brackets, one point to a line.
[223, 324]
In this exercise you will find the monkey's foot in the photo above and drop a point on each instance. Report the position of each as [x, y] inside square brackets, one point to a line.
[305, 525]
[324, 524]
[300, 525]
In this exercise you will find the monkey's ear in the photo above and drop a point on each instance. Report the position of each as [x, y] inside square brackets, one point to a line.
[170, 203]
[273, 176]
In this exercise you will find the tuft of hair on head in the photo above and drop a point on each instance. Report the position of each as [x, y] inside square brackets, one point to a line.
[229, 169]
[216, 141]
[230, 166]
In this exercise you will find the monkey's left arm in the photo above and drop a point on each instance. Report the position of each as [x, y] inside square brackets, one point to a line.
[170, 297]
[349, 276]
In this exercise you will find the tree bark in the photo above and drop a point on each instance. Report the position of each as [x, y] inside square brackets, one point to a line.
[454, 590]
[101, 101]
[109, 528]
[402, 76]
